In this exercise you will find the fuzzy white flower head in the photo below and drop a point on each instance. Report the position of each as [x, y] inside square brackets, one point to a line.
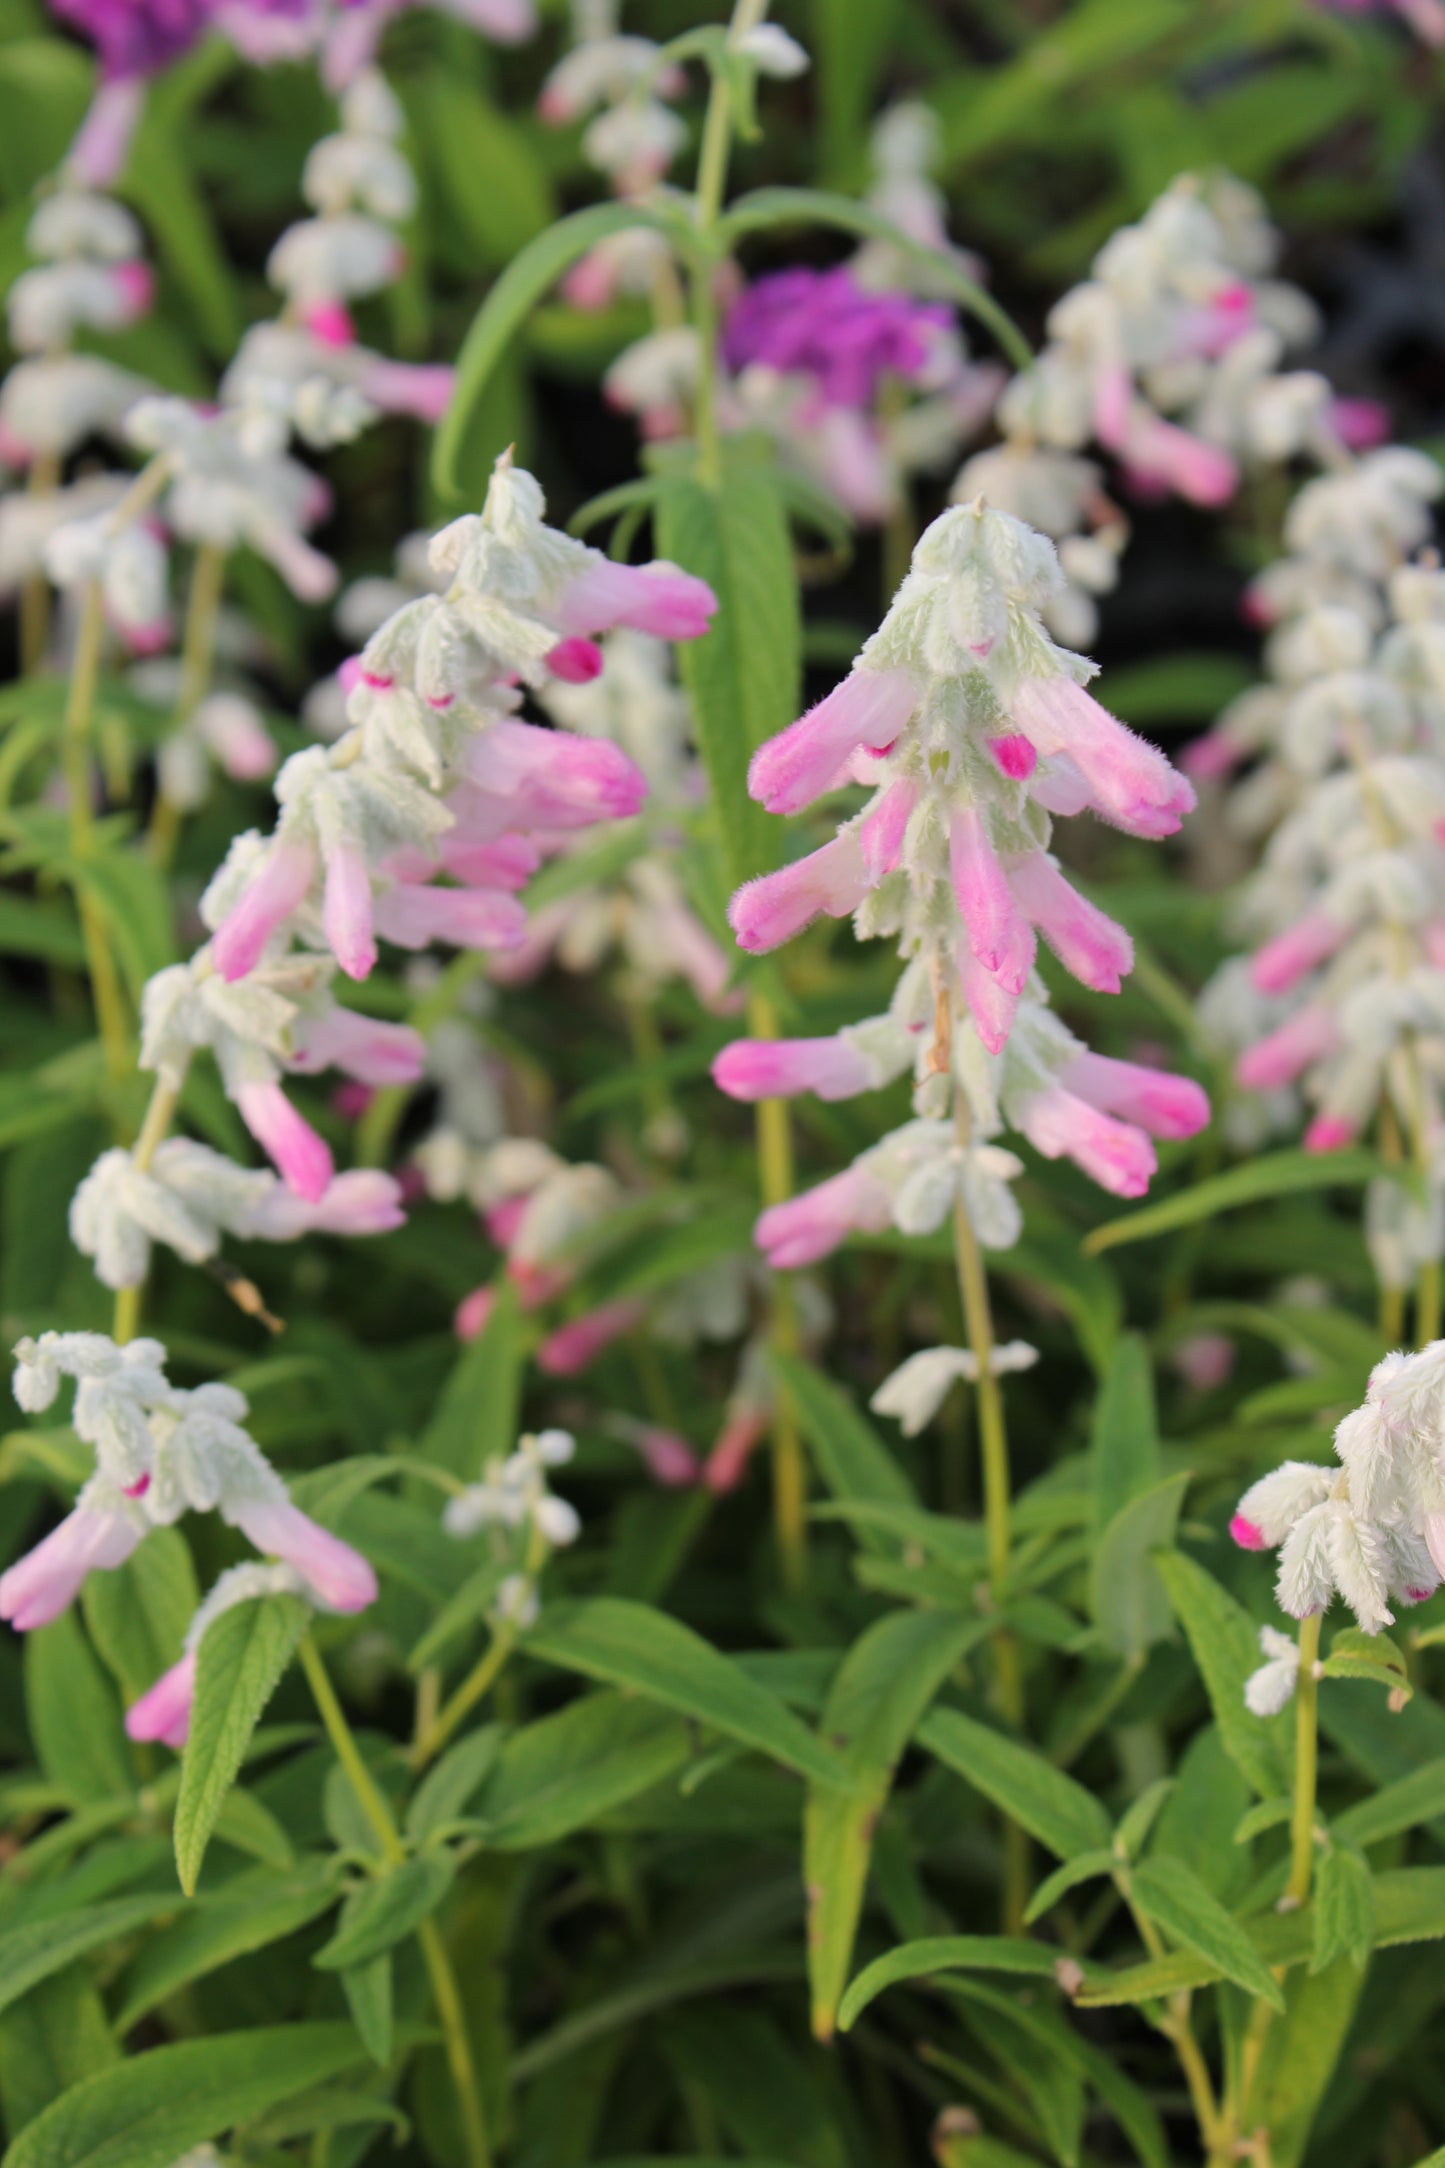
[516, 1602]
[772, 51]
[1271, 1688]
[917, 1389]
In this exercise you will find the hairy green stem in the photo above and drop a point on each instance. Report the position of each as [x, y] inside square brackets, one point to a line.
[1306, 1763]
[775, 1181]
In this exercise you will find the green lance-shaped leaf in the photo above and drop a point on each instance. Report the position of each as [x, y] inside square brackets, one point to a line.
[32, 1952]
[1344, 1909]
[1303, 2056]
[1124, 1436]
[74, 1715]
[501, 316]
[448, 1787]
[239, 1662]
[1225, 1644]
[378, 1914]
[744, 674]
[1374, 1658]
[1126, 1595]
[884, 1684]
[149, 2111]
[937, 1955]
[568, 1770]
[632, 1646]
[368, 1990]
[1277, 1174]
[54, 2037]
[248, 1914]
[138, 1613]
[1088, 1867]
[1018, 1780]
[1405, 1804]
[1172, 1895]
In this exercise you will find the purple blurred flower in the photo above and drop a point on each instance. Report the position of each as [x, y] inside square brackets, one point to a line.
[823, 324]
[136, 37]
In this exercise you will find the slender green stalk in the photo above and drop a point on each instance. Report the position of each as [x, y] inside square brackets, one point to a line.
[198, 649]
[110, 1013]
[1306, 1763]
[439, 1969]
[153, 1131]
[712, 176]
[993, 1455]
[432, 1737]
[1175, 2023]
[775, 1181]
[35, 593]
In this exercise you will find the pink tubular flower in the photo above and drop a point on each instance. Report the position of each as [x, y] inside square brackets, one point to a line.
[807, 1227]
[46, 1581]
[1247, 1535]
[341, 1577]
[300, 1156]
[1213, 755]
[990, 1003]
[1283, 962]
[362, 1202]
[737, 1441]
[573, 1346]
[347, 911]
[1114, 1154]
[883, 831]
[869, 708]
[655, 598]
[668, 1458]
[372, 1052]
[1158, 451]
[279, 888]
[422, 390]
[1130, 783]
[778, 1068]
[473, 1313]
[1287, 1051]
[473, 918]
[984, 900]
[1330, 1133]
[766, 912]
[164, 1711]
[1085, 939]
[1164, 1104]
[551, 780]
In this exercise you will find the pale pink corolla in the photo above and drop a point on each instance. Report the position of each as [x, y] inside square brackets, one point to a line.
[300, 1156]
[573, 1346]
[753, 1069]
[1213, 755]
[770, 910]
[737, 1441]
[667, 1457]
[807, 1227]
[1330, 1133]
[46, 1581]
[164, 1712]
[655, 598]
[1130, 783]
[1287, 1051]
[371, 1051]
[1284, 961]
[363, 1201]
[985, 901]
[473, 1312]
[1164, 1104]
[1085, 939]
[1116, 1155]
[279, 888]
[340, 1576]
[883, 829]
[1014, 755]
[575, 661]
[990, 1003]
[550, 779]
[869, 708]
[473, 918]
[346, 911]
[422, 390]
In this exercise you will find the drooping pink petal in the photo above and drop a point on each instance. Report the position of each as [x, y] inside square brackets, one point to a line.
[473, 1312]
[1130, 782]
[990, 1003]
[347, 911]
[472, 918]
[771, 910]
[575, 661]
[1287, 1051]
[363, 1047]
[46, 1581]
[869, 708]
[422, 390]
[1247, 1535]
[1085, 939]
[1117, 1156]
[300, 1156]
[1330, 1133]
[739, 1437]
[752, 1069]
[1164, 1104]
[1284, 961]
[655, 598]
[164, 1710]
[547, 779]
[279, 888]
[807, 1227]
[668, 1458]
[884, 828]
[982, 894]
[573, 1346]
[341, 1577]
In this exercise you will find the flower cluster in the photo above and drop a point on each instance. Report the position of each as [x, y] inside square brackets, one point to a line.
[1343, 1000]
[1168, 357]
[969, 728]
[434, 775]
[159, 1452]
[1371, 1530]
